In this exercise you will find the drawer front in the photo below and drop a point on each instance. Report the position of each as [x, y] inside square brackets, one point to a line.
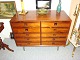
[54, 39]
[55, 35]
[56, 24]
[27, 35]
[27, 44]
[24, 30]
[26, 39]
[54, 43]
[55, 30]
[37, 24]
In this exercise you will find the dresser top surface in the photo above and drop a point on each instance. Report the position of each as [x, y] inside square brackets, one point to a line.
[34, 16]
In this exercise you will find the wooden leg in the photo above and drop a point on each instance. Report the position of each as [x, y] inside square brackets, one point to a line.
[3, 45]
[24, 48]
[7, 47]
[57, 48]
[73, 51]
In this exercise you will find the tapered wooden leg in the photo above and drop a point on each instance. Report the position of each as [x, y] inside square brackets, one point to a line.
[57, 48]
[73, 51]
[3, 46]
[7, 47]
[24, 48]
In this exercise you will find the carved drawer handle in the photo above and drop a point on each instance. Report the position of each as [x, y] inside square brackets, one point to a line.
[55, 23]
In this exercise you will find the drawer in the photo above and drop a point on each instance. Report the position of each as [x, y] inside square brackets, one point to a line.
[54, 43]
[27, 44]
[27, 35]
[24, 30]
[54, 39]
[55, 30]
[55, 24]
[55, 35]
[26, 24]
[27, 39]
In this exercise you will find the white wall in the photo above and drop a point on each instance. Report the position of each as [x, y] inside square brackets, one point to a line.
[7, 29]
[31, 5]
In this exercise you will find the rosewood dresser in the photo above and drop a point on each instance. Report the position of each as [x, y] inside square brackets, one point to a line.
[33, 29]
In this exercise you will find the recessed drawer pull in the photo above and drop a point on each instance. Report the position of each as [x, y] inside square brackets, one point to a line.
[53, 38]
[55, 29]
[28, 42]
[53, 43]
[27, 34]
[25, 24]
[54, 34]
[27, 39]
[55, 23]
[26, 29]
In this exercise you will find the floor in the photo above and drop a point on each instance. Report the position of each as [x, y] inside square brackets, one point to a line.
[38, 53]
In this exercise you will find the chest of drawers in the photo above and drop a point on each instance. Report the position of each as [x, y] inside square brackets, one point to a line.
[37, 30]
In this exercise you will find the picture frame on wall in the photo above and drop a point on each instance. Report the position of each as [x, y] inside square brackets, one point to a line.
[43, 4]
[7, 9]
